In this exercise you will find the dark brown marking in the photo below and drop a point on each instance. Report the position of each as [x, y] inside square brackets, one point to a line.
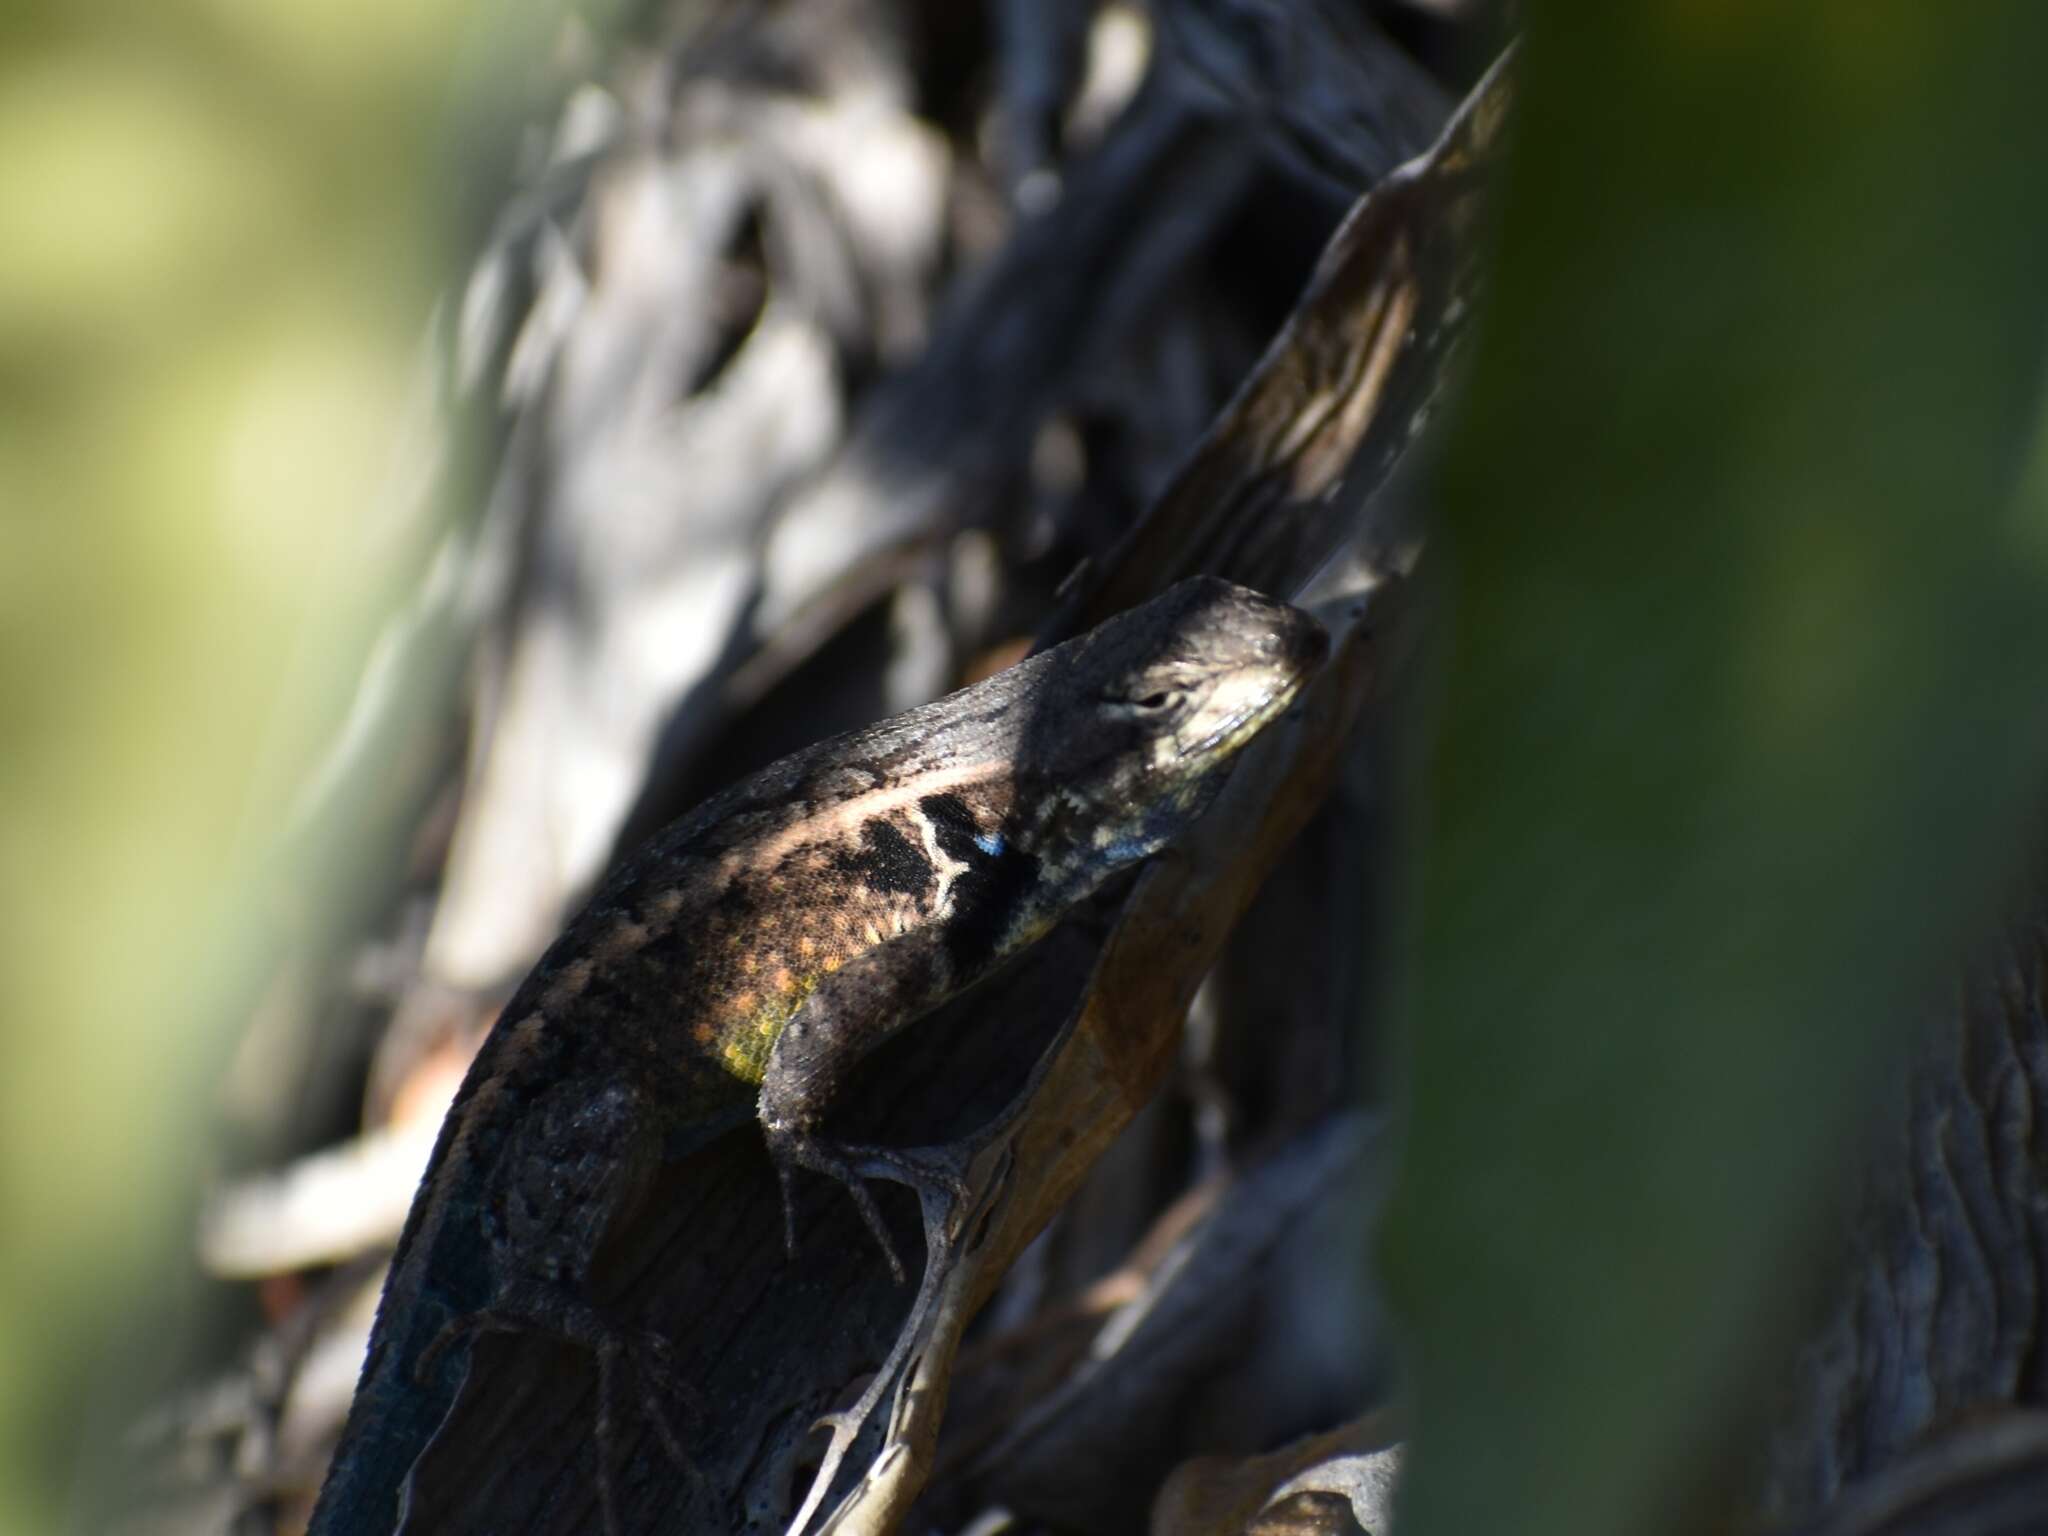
[954, 826]
[990, 891]
[887, 861]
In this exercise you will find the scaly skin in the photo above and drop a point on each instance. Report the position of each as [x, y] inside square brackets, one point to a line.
[750, 955]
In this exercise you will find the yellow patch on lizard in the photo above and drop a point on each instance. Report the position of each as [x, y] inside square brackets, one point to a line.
[744, 1060]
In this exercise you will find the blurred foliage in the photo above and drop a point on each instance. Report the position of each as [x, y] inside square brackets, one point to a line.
[220, 227]
[1741, 714]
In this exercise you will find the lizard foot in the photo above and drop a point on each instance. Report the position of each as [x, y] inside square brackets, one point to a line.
[539, 1308]
[912, 1338]
[927, 1170]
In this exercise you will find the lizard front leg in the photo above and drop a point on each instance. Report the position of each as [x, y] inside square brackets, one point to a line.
[853, 1010]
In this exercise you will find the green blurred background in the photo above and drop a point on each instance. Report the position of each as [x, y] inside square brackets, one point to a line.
[1741, 749]
[223, 223]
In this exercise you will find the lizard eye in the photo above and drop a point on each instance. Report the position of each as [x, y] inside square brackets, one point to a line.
[1152, 702]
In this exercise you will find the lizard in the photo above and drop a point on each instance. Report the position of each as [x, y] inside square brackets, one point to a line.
[743, 961]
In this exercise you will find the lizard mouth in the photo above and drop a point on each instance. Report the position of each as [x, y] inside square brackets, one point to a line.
[1234, 731]
[1250, 700]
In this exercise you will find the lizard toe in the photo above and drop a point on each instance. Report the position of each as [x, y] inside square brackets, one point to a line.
[792, 1147]
[925, 1169]
[661, 1383]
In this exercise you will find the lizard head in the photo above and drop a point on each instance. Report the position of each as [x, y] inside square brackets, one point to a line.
[1155, 704]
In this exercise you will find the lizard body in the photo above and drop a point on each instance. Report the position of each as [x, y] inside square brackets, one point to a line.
[746, 958]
